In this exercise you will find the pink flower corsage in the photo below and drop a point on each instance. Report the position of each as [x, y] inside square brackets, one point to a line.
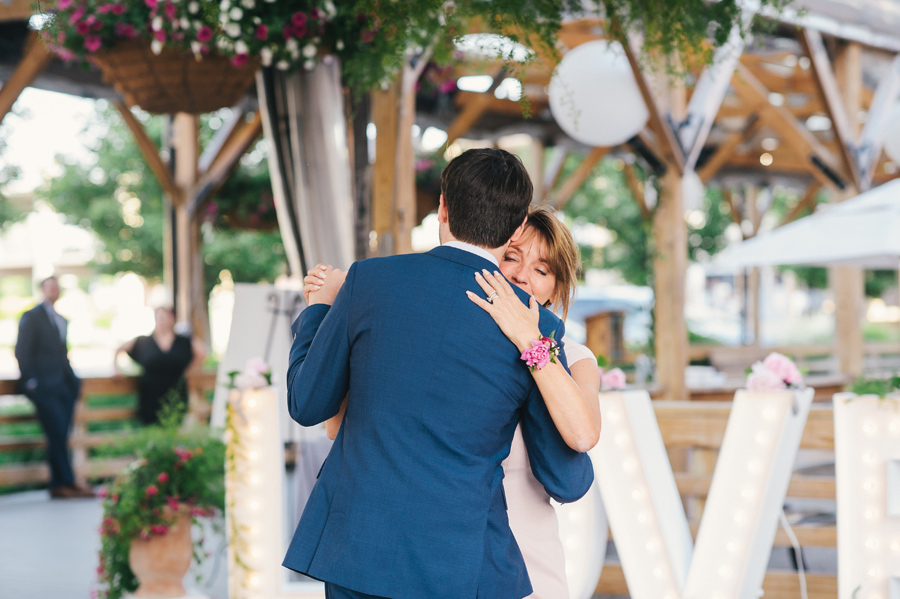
[542, 352]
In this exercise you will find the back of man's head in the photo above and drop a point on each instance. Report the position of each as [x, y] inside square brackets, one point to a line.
[487, 193]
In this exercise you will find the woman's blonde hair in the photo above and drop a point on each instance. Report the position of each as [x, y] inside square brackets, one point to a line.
[561, 254]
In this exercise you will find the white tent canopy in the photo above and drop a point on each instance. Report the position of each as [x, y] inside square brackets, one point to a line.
[863, 232]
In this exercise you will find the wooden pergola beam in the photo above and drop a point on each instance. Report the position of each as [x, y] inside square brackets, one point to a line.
[150, 152]
[708, 94]
[725, 151]
[808, 202]
[221, 138]
[474, 109]
[665, 136]
[553, 171]
[822, 163]
[226, 161]
[872, 138]
[827, 84]
[35, 59]
[577, 178]
[637, 190]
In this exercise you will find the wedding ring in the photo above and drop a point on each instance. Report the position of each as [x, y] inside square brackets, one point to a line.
[491, 297]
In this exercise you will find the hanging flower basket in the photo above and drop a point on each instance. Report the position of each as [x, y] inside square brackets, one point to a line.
[173, 80]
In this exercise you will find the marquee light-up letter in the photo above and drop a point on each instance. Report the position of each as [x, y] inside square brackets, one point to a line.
[740, 519]
[867, 473]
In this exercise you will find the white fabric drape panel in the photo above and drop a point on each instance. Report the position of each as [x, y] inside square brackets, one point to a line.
[304, 123]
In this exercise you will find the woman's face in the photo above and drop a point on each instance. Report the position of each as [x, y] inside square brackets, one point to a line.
[523, 265]
[165, 320]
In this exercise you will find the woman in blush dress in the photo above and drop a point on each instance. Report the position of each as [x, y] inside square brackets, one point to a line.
[543, 262]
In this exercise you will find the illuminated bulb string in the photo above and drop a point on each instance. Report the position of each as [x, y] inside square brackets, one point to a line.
[801, 571]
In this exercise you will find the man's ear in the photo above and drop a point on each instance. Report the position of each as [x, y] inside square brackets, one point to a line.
[519, 231]
[443, 215]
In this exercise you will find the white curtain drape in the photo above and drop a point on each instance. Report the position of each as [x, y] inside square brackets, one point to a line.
[309, 162]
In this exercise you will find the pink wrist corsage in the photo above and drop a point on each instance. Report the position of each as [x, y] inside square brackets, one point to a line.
[542, 352]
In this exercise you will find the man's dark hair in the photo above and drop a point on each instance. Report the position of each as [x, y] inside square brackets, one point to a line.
[487, 192]
[48, 279]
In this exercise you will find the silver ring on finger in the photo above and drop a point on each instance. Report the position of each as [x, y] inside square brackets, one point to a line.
[491, 297]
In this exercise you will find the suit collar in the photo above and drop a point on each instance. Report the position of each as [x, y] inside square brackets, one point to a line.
[463, 257]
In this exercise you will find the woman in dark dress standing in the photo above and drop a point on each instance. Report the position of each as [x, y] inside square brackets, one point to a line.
[165, 356]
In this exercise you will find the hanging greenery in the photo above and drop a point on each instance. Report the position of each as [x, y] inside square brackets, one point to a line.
[374, 39]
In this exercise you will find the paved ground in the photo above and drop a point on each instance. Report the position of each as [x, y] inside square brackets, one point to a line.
[48, 549]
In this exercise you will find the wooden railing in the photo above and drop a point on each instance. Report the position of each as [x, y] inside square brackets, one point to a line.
[82, 440]
[699, 427]
[814, 359]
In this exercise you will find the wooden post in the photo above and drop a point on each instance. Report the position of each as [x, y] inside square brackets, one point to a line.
[752, 274]
[190, 304]
[669, 268]
[384, 115]
[849, 291]
[405, 178]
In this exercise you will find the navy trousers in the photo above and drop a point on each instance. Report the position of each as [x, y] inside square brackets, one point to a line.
[54, 406]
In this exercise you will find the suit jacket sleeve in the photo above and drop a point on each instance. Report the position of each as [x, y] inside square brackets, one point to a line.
[25, 345]
[565, 473]
[319, 363]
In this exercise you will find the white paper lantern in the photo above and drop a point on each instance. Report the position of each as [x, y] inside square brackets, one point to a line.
[594, 97]
[891, 135]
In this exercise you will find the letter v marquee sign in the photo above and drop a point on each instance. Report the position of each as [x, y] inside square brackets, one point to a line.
[647, 518]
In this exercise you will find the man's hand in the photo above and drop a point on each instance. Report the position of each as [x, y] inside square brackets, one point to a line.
[322, 283]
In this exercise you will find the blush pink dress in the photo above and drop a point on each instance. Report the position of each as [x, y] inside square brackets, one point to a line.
[531, 516]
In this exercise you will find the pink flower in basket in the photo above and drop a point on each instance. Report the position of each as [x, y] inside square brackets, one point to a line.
[761, 379]
[612, 380]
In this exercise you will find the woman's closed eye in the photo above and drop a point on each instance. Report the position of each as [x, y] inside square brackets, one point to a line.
[510, 258]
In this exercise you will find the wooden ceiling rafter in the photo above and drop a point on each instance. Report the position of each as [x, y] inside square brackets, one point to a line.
[872, 137]
[822, 163]
[577, 178]
[225, 161]
[667, 140]
[553, 171]
[637, 190]
[150, 152]
[837, 109]
[473, 109]
[726, 149]
[708, 94]
[35, 59]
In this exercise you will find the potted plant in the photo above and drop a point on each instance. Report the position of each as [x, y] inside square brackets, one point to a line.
[149, 508]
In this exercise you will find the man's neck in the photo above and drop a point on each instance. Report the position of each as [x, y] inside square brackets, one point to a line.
[497, 253]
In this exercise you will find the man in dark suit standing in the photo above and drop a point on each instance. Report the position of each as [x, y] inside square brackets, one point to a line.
[410, 503]
[47, 379]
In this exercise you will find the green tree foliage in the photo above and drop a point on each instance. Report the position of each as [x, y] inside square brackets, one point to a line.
[116, 196]
[10, 212]
[606, 200]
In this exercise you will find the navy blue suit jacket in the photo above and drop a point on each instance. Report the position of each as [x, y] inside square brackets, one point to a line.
[410, 503]
[43, 356]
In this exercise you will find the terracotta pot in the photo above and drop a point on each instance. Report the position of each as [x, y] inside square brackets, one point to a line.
[161, 562]
[173, 81]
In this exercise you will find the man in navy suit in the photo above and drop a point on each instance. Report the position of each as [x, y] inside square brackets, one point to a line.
[47, 379]
[409, 503]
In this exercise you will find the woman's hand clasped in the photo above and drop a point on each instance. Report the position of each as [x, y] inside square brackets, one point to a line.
[321, 284]
[517, 321]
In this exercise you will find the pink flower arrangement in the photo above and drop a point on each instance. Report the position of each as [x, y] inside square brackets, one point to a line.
[775, 373]
[611, 380]
[542, 352]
